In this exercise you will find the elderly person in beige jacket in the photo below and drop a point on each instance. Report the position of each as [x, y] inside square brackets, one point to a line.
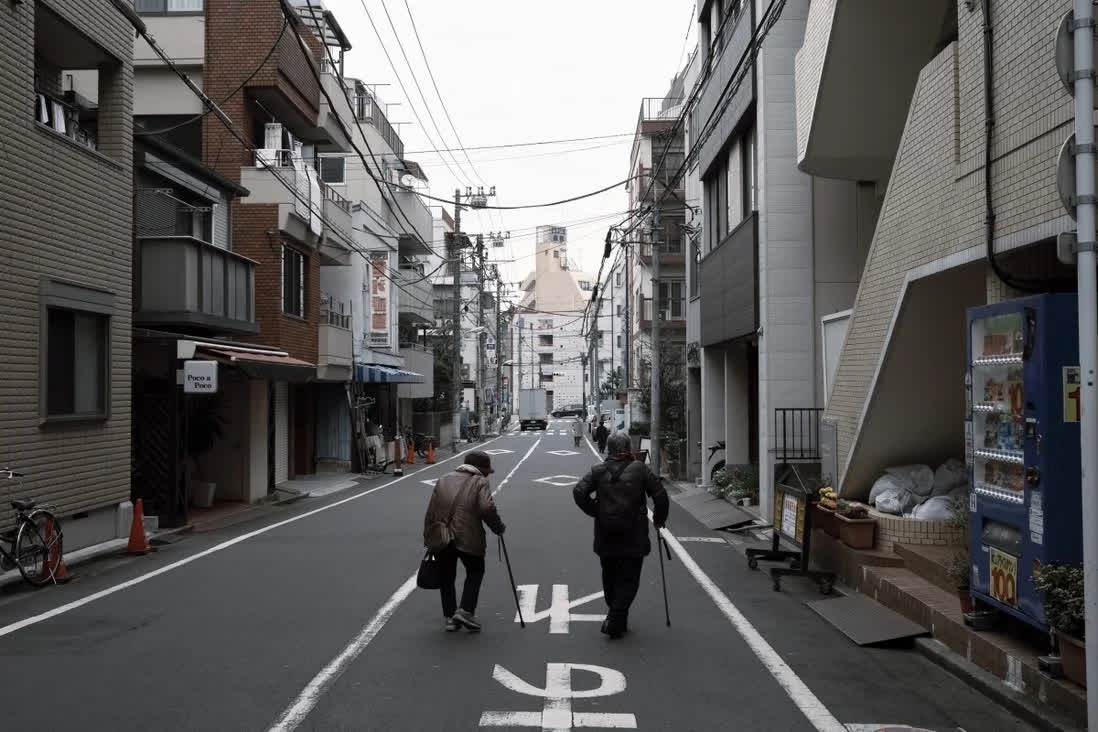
[465, 495]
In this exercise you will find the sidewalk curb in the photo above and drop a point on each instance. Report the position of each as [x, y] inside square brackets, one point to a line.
[994, 688]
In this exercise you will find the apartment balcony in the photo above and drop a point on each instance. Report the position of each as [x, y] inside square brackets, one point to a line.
[292, 94]
[337, 121]
[720, 71]
[413, 243]
[368, 110]
[672, 315]
[415, 297]
[190, 284]
[334, 341]
[668, 185]
[670, 251]
[850, 113]
[729, 284]
[336, 246]
[658, 114]
[277, 178]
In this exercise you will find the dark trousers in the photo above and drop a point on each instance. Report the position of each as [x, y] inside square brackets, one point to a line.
[620, 582]
[474, 574]
[602, 446]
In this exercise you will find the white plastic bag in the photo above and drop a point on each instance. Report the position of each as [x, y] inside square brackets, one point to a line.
[951, 474]
[919, 477]
[897, 501]
[885, 483]
[936, 508]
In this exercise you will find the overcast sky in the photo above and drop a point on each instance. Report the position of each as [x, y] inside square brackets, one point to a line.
[512, 71]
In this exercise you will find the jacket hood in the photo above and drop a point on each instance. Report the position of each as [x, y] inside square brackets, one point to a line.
[469, 469]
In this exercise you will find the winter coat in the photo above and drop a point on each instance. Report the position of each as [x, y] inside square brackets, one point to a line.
[476, 507]
[577, 427]
[601, 435]
[635, 485]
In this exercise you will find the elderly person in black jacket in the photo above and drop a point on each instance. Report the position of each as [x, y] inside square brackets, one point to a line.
[615, 493]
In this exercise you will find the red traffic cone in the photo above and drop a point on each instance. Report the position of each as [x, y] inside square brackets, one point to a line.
[430, 453]
[138, 543]
[54, 557]
[411, 460]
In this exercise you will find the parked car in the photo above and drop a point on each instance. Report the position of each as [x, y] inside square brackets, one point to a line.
[572, 410]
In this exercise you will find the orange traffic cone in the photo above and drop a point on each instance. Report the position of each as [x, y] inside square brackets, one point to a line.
[430, 453]
[411, 459]
[53, 556]
[138, 544]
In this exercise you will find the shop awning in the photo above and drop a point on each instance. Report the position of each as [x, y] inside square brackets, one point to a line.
[371, 374]
[271, 366]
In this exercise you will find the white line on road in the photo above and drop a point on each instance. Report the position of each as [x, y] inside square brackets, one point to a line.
[295, 714]
[307, 700]
[703, 539]
[62, 609]
[812, 708]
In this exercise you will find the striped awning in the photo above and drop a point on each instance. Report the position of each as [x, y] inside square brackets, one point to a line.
[374, 374]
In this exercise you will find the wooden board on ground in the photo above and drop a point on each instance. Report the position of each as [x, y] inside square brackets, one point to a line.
[866, 622]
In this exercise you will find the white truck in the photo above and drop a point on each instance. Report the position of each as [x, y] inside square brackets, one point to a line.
[533, 413]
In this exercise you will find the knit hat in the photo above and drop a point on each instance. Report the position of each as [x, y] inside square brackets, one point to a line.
[481, 461]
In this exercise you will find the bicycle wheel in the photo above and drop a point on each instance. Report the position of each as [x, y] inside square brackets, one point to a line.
[38, 548]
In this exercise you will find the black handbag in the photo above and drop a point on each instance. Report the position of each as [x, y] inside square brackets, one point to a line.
[429, 576]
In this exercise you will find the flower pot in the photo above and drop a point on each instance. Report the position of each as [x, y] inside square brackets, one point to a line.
[965, 596]
[824, 518]
[1073, 658]
[856, 533]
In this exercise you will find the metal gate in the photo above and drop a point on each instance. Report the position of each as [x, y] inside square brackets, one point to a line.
[333, 423]
[158, 451]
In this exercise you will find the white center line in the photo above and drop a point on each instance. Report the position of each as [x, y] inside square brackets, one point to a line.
[68, 607]
[812, 708]
[307, 700]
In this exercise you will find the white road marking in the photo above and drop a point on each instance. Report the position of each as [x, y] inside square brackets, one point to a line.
[560, 608]
[430, 482]
[703, 539]
[498, 451]
[308, 698]
[549, 479]
[519, 463]
[556, 714]
[68, 607]
[812, 708]
[562, 453]
[295, 714]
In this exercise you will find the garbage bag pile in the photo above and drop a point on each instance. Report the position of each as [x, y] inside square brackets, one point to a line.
[917, 491]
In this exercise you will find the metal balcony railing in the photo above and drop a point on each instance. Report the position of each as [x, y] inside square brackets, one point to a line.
[660, 108]
[796, 434]
[336, 313]
[330, 194]
[368, 110]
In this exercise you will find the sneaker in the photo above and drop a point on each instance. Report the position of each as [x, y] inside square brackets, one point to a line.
[451, 626]
[466, 619]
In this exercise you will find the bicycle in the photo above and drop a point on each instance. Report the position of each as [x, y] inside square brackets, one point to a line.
[34, 546]
[421, 441]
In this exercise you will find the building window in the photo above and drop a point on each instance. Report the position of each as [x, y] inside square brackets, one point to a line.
[169, 6]
[293, 282]
[671, 300]
[545, 340]
[75, 352]
[619, 341]
[333, 169]
[617, 279]
[556, 254]
[619, 309]
[546, 358]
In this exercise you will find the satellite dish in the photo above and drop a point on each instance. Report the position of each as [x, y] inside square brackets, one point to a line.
[407, 180]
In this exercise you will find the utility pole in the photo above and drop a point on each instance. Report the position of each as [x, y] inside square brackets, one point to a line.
[516, 384]
[583, 388]
[454, 253]
[533, 359]
[1083, 40]
[499, 349]
[482, 335]
[656, 315]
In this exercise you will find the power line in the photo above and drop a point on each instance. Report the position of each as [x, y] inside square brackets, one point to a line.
[526, 144]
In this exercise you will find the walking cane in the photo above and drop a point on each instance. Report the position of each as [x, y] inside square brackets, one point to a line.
[661, 546]
[514, 589]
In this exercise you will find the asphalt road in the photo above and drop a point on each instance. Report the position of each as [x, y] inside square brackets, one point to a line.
[309, 620]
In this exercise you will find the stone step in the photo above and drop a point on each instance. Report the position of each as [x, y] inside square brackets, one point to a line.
[929, 562]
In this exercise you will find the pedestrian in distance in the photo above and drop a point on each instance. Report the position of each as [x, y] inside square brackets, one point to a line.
[577, 430]
[462, 504]
[601, 435]
[615, 493]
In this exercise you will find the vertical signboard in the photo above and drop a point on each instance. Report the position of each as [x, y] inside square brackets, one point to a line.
[379, 298]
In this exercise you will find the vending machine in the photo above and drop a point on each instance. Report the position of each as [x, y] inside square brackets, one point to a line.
[1022, 447]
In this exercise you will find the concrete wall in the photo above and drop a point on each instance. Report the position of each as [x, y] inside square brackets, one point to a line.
[183, 38]
[787, 353]
[933, 209]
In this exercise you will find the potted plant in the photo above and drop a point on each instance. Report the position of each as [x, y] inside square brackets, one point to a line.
[721, 484]
[1062, 587]
[957, 566]
[856, 529]
[823, 516]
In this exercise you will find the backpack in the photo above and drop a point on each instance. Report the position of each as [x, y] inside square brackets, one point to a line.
[617, 511]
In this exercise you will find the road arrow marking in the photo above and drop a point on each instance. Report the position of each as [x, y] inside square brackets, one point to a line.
[562, 453]
[556, 714]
